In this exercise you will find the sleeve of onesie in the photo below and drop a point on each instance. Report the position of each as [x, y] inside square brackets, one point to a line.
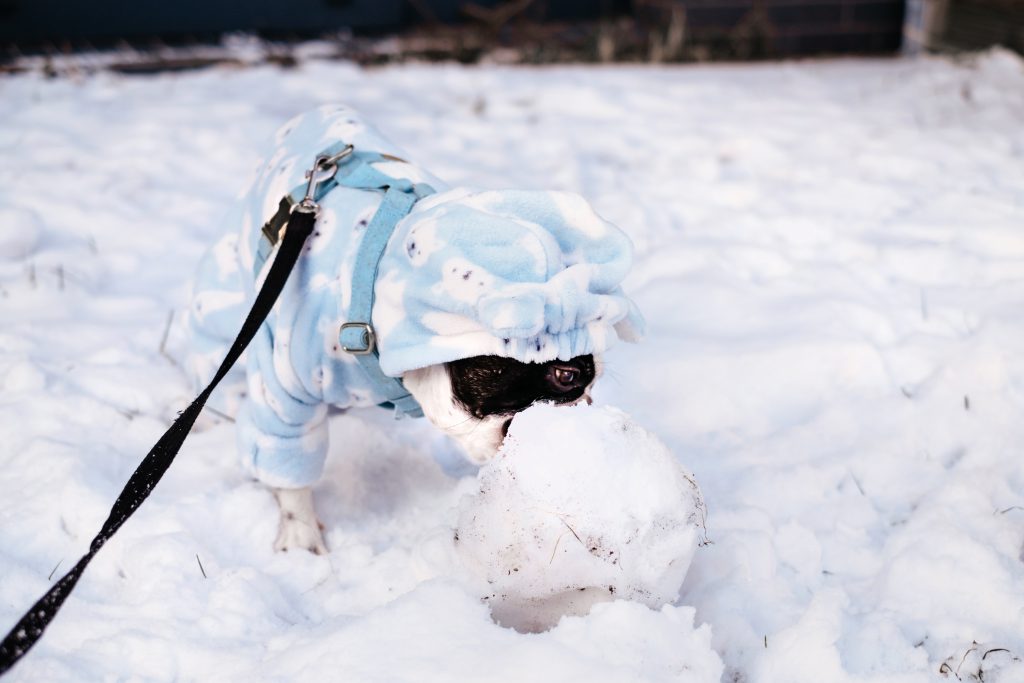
[282, 439]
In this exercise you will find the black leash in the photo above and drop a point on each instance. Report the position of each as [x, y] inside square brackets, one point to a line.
[30, 627]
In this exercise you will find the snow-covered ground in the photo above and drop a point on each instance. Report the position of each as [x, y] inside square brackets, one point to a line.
[830, 256]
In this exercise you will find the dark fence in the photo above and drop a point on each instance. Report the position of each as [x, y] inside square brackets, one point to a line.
[792, 27]
[974, 24]
[658, 30]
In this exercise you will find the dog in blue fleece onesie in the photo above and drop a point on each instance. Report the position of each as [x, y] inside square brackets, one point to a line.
[514, 277]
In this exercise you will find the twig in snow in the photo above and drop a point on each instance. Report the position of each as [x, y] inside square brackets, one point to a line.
[163, 340]
[128, 413]
[555, 549]
[967, 402]
[573, 531]
[219, 414]
[65, 275]
[54, 570]
[972, 648]
[200, 566]
[856, 482]
[703, 507]
[559, 539]
[1012, 507]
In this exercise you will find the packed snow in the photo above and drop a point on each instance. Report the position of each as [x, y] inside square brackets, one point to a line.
[829, 255]
[581, 505]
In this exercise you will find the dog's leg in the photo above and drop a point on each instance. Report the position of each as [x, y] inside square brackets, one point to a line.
[299, 528]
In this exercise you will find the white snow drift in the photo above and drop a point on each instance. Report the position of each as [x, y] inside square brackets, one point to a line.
[829, 257]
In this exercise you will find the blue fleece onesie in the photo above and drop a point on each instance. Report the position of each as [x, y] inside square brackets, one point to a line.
[528, 275]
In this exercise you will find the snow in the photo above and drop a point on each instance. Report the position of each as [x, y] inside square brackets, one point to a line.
[581, 505]
[829, 257]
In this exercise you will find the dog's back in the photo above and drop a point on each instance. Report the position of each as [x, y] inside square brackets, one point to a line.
[227, 277]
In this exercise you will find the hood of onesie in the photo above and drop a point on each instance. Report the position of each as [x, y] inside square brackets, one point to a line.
[528, 275]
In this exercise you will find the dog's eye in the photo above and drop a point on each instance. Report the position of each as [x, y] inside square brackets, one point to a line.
[563, 378]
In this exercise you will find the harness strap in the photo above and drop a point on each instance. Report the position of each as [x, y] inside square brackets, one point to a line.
[30, 627]
[357, 336]
[355, 170]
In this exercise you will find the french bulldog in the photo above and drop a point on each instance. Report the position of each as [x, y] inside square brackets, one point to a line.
[484, 303]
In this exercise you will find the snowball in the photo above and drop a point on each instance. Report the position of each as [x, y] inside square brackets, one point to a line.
[580, 505]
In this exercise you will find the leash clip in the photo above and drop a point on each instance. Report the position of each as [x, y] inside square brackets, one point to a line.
[324, 169]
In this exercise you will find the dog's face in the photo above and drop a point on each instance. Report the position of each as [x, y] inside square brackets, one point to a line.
[491, 385]
[474, 399]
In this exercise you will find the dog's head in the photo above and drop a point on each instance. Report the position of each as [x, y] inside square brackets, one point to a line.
[521, 276]
[474, 399]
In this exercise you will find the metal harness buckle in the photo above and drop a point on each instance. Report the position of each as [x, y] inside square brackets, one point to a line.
[369, 339]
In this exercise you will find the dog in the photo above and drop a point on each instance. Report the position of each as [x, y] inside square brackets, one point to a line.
[484, 303]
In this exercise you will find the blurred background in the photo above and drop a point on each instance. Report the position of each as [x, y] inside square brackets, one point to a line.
[511, 31]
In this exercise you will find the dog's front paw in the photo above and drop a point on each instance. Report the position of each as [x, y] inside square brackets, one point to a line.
[296, 534]
[299, 528]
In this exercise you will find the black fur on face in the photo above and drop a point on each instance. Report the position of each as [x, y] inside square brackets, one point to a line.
[491, 385]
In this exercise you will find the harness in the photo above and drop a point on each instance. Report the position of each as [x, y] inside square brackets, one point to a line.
[341, 164]
[286, 231]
